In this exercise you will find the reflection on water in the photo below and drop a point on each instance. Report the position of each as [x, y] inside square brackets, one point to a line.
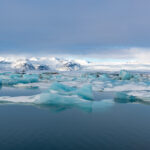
[102, 105]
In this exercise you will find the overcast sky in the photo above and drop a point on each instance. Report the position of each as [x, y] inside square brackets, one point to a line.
[109, 28]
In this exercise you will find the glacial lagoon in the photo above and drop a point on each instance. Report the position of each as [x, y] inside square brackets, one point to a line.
[82, 110]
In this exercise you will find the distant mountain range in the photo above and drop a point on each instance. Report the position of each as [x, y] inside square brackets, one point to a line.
[41, 64]
[24, 64]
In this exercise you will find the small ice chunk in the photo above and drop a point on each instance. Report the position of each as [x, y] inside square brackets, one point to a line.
[104, 77]
[125, 75]
[86, 92]
[122, 97]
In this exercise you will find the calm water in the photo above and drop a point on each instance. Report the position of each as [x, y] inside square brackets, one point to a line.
[121, 127]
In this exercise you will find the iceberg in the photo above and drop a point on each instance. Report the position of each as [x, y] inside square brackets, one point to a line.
[122, 97]
[62, 102]
[86, 92]
[62, 95]
[125, 75]
[54, 98]
[104, 77]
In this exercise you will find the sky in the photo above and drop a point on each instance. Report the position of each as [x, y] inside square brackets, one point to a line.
[111, 29]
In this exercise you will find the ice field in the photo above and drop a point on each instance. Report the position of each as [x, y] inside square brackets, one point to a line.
[84, 90]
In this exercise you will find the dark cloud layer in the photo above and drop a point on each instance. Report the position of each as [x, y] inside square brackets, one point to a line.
[73, 27]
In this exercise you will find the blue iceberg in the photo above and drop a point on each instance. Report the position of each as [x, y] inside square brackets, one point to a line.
[125, 75]
[104, 77]
[86, 92]
[122, 97]
[51, 98]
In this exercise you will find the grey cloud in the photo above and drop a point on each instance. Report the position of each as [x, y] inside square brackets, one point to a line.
[73, 27]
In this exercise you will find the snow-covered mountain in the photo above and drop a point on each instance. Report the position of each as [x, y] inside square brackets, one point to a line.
[40, 64]
[23, 64]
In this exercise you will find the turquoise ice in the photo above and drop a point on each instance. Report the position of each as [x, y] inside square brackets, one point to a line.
[125, 75]
[86, 92]
[61, 87]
